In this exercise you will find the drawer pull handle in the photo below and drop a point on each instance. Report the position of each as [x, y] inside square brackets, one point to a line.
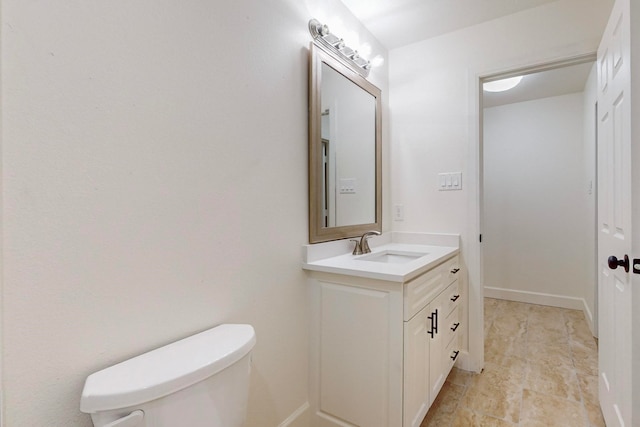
[434, 323]
[455, 298]
[455, 326]
[455, 355]
[454, 270]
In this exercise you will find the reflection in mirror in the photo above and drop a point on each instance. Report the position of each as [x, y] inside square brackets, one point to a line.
[349, 151]
[345, 143]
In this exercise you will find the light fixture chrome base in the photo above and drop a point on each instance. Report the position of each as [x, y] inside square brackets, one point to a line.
[336, 47]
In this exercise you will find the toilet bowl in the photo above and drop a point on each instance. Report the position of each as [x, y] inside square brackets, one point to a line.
[200, 381]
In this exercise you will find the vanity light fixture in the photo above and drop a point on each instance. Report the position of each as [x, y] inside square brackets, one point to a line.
[336, 46]
[502, 85]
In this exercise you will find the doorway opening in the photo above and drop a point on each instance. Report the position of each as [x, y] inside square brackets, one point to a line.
[537, 187]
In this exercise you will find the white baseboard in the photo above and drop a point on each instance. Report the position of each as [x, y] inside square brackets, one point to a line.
[536, 298]
[589, 317]
[299, 418]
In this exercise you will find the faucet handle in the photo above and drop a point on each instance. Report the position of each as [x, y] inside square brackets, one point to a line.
[357, 249]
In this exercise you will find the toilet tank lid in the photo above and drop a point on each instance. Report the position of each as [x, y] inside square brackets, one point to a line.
[167, 369]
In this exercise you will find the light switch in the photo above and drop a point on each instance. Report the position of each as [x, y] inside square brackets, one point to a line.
[457, 180]
[442, 180]
[450, 181]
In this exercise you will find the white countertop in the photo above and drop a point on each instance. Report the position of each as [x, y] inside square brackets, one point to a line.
[356, 265]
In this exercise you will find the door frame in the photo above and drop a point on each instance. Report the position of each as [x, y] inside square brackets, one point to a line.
[474, 260]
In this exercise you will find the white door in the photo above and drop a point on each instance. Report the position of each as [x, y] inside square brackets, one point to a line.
[614, 218]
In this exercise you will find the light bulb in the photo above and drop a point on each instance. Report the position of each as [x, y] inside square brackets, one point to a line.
[502, 85]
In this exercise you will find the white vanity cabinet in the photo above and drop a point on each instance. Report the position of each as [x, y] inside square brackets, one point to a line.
[381, 349]
[431, 341]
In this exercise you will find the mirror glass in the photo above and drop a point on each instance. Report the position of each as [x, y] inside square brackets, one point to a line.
[344, 156]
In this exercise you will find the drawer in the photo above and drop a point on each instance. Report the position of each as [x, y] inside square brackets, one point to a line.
[451, 298]
[423, 289]
[420, 291]
[452, 267]
[451, 352]
[450, 326]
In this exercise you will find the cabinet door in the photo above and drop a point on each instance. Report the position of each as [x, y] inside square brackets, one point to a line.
[416, 369]
[436, 345]
[356, 354]
[443, 347]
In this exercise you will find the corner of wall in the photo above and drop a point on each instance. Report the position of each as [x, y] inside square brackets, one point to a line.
[301, 417]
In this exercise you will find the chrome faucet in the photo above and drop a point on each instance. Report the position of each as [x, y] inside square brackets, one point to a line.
[364, 245]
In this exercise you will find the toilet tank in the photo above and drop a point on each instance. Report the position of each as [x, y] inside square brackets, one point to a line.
[200, 381]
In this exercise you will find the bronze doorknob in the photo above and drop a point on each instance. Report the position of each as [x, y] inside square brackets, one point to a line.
[614, 262]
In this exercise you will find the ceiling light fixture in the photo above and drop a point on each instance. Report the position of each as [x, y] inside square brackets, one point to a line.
[336, 46]
[502, 85]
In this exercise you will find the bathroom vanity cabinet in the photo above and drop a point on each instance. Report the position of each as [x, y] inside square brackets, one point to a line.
[431, 342]
[381, 349]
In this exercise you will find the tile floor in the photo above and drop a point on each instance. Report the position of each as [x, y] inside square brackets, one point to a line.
[541, 367]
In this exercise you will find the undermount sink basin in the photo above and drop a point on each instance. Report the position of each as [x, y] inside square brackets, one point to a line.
[393, 256]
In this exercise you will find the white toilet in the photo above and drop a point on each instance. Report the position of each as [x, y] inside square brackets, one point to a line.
[200, 381]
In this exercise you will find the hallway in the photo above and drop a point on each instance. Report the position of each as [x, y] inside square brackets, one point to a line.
[541, 367]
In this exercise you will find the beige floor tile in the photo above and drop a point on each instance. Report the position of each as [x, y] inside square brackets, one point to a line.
[490, 306]
[537, 333]
[496, 392]
[585, 359]
[558, 352]
[509, 325]
[585, 340]
[540, 371]
[589, 388]
[487, 326]
[460, 377]
[443, 409]
[505, 360]
[580, 332]
[575, 315]
[553, 379]
[498, 346]
[550, 322]
[540, 410]
[512, 366]
[511, 311]
[467, 418]
[595, 415]
[514, 306]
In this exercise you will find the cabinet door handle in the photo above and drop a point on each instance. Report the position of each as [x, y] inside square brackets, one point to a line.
[454, 270]
[455, 298]
[434, 323]
[436, 316]
[431, 331]
[455, 355]
[455, 326]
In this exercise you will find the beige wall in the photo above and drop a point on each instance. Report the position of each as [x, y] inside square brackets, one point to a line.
[155, 185]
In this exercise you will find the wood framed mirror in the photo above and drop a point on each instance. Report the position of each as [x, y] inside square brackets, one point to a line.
[345, 150]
